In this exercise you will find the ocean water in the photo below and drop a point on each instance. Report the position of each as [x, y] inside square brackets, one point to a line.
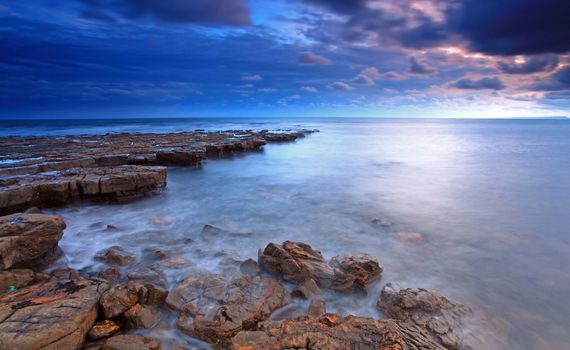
[477, 209]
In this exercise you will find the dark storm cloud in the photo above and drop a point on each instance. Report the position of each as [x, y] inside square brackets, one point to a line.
[340, 6]
[544, 63]
[226, 12]
[492, 83]
[513, 27]
[417, 67]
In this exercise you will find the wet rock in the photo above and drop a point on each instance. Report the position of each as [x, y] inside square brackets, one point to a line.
[307, 289]
[149, 274]
[33, 210]
[103, 329]
[131, 342]
[116, 255]
[57, 188]
[28, 239]
[214, 308]
[19, 278]
[110, 274]
[298, 262]
[211, 231]
[317, 308]
[141, 316]
[53, 314]
[410, 237]
[119, 299]
[427, 309]
[249, 267]
[175, 262]
[331, 332]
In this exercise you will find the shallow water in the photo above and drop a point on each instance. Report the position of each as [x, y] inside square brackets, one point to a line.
[479, 210]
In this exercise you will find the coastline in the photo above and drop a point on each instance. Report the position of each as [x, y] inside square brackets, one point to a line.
[245, 297]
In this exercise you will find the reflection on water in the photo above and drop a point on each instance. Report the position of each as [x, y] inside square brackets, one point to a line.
[475, 209]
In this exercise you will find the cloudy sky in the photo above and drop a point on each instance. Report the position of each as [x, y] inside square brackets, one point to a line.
[210, 58]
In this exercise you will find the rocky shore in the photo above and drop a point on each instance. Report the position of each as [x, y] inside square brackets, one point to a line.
[53, 171]
[70, 310]
[124, 303]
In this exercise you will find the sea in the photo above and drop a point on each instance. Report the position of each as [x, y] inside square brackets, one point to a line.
[478, 209]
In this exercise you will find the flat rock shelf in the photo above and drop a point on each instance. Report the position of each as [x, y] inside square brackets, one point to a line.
[54, 171]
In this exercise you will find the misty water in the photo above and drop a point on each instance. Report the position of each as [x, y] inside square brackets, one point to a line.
[477, 209]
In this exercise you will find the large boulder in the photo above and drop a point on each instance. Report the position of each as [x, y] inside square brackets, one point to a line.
[332, 331]
[53, 314]
[214, 308]
[299, 262]
[427, 309]
[26, 239]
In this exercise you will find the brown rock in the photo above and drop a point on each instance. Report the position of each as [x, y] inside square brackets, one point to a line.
[307, 289]
[331, 332]
[427, 309]
[18, 278]
[115, 255]
[54, 314]
[317, 308]
[119, 299]
[249, 267]
[214, 308]
[26, 239]
[298, 262]
[141, 316]
[103, 329]
[131, 342]
[111, 274]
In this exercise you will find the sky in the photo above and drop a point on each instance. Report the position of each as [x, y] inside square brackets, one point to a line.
[284, 58]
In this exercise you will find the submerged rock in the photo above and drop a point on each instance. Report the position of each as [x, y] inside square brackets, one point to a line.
[116, 255]
[299, 262]
[27, 239]
[141, 316]
[214, 308]
[54, 314]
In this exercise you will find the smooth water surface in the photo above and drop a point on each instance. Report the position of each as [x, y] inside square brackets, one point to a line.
[479, 209]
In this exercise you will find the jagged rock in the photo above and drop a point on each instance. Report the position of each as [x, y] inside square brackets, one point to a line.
[119, 299]
[54, 314]
[141, 316]
[331, 331]
[27, 239]
[103, 329]
[427, 309]
[150, 283]
[214, 308]
[298, 262]
[115, 255]
[131, 342]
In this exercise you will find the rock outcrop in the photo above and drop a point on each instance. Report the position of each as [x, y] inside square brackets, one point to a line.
[53, 314]
[131, 342]
[57, 188]
[52, 171]
[214, 308]
[27, 239]
[331, 331]
[298, 262]
[439, 316]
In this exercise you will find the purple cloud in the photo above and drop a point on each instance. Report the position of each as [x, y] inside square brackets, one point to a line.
[491, 83]
[309, 57]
